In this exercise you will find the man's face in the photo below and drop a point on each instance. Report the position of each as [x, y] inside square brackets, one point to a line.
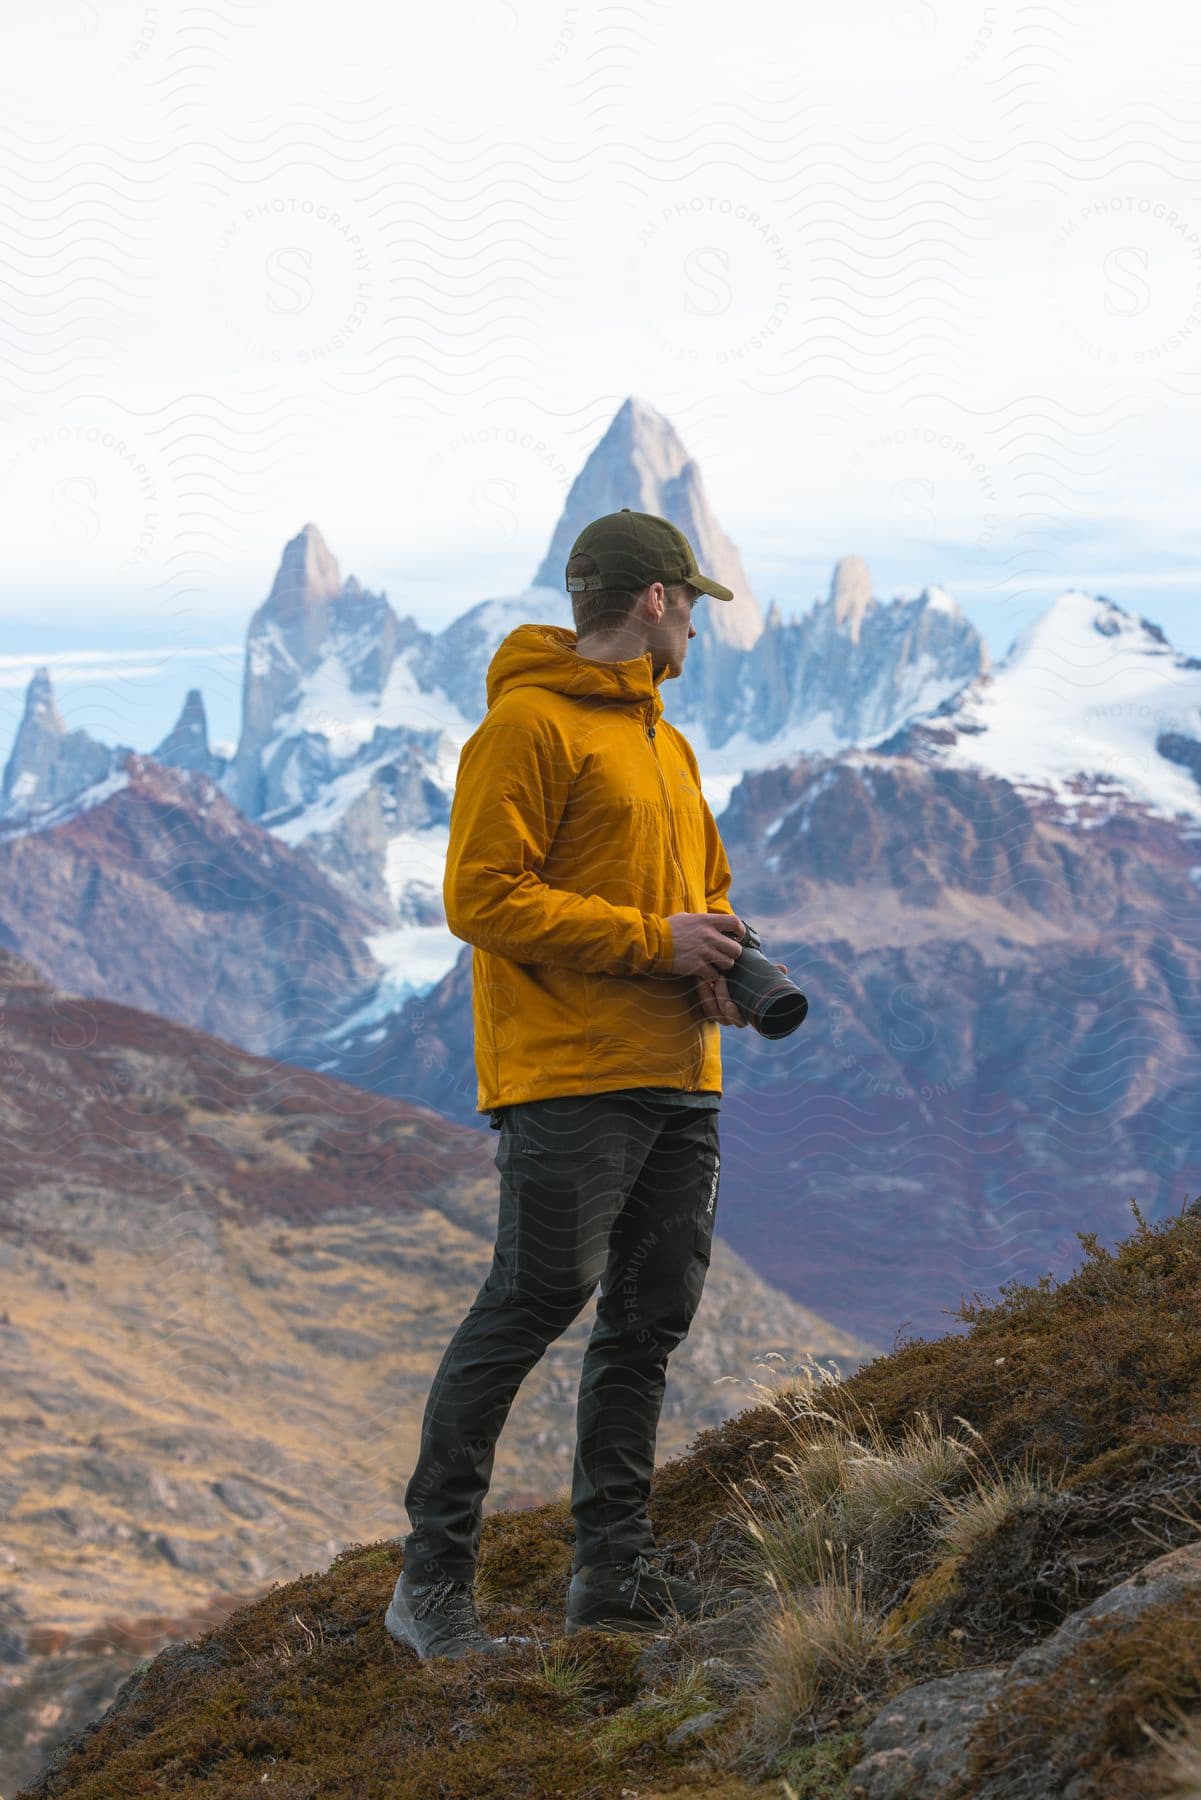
[669, 638]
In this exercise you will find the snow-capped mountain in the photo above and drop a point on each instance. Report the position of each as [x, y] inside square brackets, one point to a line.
[1001, 1020]
[354, 715]
[845, 672]
[641, 463]
[49, 764]
[1091, 707]
[343, 699]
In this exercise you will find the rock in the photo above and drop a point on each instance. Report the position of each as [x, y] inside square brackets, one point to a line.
[1167, 1578]
[654, 1661]
[186, 745]
[724, 1678]
[915, 1748]
[695, 1727]
[1051, 1761]
[199, 1556]
[341, 1340]
[239, 1497]
[49, 764]
[641, 458]
[851, 594]
[725, 1631]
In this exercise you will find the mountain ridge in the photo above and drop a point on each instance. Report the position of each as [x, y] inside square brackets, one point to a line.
[1091, 706]
[641, 462]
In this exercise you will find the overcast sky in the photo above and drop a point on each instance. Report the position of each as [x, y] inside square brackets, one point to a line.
[919, 281]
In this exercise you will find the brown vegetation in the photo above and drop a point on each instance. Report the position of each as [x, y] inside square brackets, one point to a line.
[1069, 1418]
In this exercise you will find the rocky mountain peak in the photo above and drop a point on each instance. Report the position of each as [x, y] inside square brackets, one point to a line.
[306, 584]
[851, 594]
[640, 462]
[36, 744]
[40, 705]
[48, 763]
[186, 745]
[310, 617]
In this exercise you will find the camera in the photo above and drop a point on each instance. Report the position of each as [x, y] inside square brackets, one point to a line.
[767, 999]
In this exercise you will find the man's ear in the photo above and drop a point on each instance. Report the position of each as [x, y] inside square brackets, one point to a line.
[662, 600]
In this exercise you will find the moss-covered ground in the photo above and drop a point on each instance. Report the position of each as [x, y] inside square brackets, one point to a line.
[1092, 1386]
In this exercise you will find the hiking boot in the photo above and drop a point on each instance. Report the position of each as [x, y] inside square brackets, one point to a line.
[630, 1596]
[438, 1618]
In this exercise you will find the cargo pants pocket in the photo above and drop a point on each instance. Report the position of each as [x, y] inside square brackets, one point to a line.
[558, 1201]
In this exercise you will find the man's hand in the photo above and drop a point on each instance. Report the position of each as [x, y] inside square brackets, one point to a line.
[705, 944]
[716, 1002]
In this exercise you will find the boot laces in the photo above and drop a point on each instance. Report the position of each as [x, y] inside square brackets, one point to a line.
[452, 1598]
[653, 1562]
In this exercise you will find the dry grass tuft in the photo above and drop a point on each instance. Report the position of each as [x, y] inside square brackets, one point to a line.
[843, 1481]
[818, 1647]
[1178, 1773]
[968, 1520]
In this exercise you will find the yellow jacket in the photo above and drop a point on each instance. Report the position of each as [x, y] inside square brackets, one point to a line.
[574, 832]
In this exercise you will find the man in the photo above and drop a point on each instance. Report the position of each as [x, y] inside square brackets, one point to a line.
[586, 869]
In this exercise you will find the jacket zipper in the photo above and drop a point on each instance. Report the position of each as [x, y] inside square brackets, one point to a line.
[650, 732]
[698, 1065]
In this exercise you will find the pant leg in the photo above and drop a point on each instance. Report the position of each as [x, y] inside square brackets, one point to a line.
[651, 1289]
[561, 1166]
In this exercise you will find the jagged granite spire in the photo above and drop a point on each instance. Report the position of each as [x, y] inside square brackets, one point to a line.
[310, 617]
[641, 463]
[186, 745]
[282, 642]
[850, 668]
[851, 593]
[36, 745]
[305, 585]
[48, 763]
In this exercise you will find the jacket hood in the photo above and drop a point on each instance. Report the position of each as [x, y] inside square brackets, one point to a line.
[545, 656]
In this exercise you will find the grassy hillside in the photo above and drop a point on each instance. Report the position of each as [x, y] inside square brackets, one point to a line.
[978, 1525]
[227, 1284]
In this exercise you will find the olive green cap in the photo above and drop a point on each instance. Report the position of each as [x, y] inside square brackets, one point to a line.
[632, 549]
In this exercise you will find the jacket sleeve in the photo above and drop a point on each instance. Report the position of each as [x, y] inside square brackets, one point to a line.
[510, 793]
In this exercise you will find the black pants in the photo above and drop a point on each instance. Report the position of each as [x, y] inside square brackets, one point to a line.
[596, 1188]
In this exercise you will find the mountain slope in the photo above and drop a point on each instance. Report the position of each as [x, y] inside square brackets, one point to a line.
[969, 1573]
[155, 891]
[1091, 706]
[227, 1284]
[1000, 1006]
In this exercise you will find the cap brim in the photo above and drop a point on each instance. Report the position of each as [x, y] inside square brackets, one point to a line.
[708, 586]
